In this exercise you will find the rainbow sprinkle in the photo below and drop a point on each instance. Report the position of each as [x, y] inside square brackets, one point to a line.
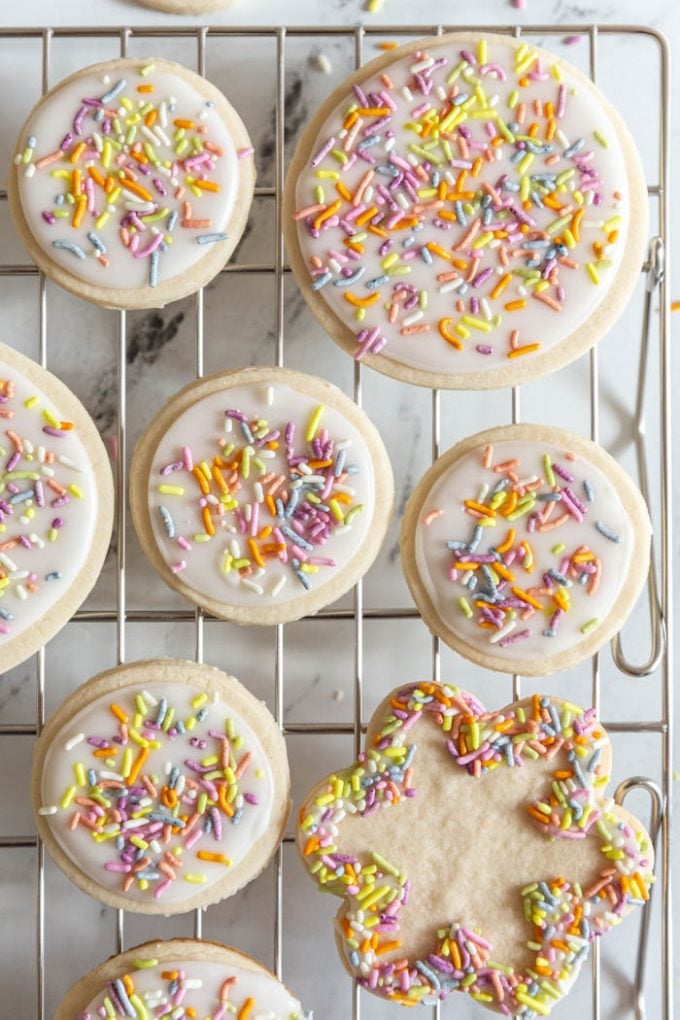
[562, 918]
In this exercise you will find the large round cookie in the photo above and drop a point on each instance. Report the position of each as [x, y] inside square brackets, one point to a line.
[56, 506]
[205, 977]
[468, 211]
[525, 548]
[262, 495]
[161, 786]
[132, 182]
[474, 852]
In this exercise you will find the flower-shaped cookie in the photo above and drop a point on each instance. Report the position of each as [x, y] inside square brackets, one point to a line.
[494, 886]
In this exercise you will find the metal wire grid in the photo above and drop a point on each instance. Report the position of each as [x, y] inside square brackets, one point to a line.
[659, 588]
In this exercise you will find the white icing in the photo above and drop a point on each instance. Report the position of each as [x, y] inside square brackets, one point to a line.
[97, 720]
[537, 323]
[198, 986]
[200, 427]
[62, 461]
[464, 480]
[180, 100]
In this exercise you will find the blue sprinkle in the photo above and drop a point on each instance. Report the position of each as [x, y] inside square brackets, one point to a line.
[298, 539]
[573, 149]
[123, 999]
[202, 713]
[321, 281]
[603, 529]
[97, 242]
[162, 709]
[589, 491]
[347, 281]
[69, 246]
[54, 575]
[153, 269]
[167, 521]
[211, 238]
[378, 281]
[21, 497]
[115, 91]
[245, 427]
[172, 220]
[5, 614]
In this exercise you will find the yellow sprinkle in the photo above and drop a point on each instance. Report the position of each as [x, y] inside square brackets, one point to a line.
[314, 423]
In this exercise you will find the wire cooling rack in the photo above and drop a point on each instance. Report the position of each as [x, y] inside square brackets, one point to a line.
[656, 330]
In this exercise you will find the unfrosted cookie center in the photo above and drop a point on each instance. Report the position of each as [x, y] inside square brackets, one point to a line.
[468, 847]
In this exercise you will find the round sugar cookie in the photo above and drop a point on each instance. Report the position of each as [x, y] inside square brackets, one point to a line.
[261, 495]
[161, 786]
[458, 870]
[131, 182]
[207, 977]
[525, 548]
[466, 212]
[56, 506]
[186, 6]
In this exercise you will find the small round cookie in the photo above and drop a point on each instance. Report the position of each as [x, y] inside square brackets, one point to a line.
[261, 495]
[181, 977]
[467, 212]
[525, 548]
[56, 506]
[459, 870]
[131, 182]
[161, 786]
[186, 6]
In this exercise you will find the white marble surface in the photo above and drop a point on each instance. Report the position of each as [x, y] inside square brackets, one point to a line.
[318, 655]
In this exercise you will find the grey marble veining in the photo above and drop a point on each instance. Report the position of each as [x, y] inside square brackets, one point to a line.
[319, 659]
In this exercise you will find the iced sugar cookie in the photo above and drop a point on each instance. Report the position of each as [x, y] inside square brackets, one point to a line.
[56, 506]
[468, 211]
[131, 183]
[460, 871]
[525, 548]
[180, 978]
[262, 495]
[161, 786]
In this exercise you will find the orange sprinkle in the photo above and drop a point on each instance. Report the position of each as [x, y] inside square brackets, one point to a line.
[527, 349]
[362, 302]
[119, 713]
[207, 185]
[208, 521]
[77, 152]
[255, 552]
[201, 479]
[514, 306]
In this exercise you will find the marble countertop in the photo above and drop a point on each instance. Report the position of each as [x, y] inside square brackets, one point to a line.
[319, 658]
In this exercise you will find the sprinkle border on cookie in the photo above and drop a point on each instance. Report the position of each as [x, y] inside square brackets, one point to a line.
[565, 918]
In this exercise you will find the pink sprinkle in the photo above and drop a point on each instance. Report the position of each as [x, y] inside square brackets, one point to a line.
[432, 516]
[243, 153]
[176, 567]
[571, 40]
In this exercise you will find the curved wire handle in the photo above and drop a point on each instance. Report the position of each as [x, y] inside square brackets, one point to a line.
[655, 274]
[658, 808]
